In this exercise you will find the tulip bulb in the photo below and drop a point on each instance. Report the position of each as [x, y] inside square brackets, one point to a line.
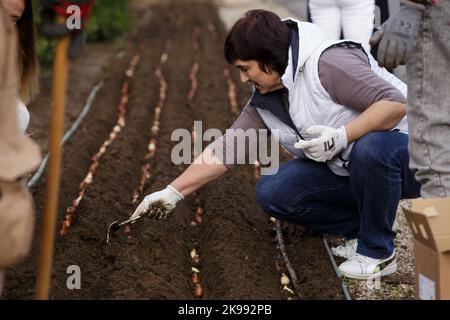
[195, 278]
[199, 211]
[155, 130]
[284, 280]
[198, 291]
[193, 253]
[194, 269]
[164, 58]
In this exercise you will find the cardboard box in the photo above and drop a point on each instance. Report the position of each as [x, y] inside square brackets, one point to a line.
[429, 220]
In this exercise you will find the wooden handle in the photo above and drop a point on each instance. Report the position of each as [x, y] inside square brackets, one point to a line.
[60, 70]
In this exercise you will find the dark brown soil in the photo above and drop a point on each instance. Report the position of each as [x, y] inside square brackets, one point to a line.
[236, 240]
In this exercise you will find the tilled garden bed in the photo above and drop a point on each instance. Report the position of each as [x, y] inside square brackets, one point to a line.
[235, 241]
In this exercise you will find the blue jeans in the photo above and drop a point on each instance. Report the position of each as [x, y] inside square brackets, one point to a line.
[363, 205]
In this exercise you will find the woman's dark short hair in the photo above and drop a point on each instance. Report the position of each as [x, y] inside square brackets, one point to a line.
[260, 35]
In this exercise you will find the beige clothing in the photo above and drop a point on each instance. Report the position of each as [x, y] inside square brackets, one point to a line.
[23, 116]
[19, 155]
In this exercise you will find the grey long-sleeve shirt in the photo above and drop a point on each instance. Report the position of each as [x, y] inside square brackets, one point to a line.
[345, 74]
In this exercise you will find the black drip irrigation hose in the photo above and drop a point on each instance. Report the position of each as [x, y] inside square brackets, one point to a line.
[39, 173]
[287, 262]
[333, 263]
[338, 273]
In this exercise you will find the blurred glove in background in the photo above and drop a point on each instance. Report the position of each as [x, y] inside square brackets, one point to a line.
[397, 37]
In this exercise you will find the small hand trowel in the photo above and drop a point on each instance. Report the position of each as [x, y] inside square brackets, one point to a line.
[156, 210]
[116, 225]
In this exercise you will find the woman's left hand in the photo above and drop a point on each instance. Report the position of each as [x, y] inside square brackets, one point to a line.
[326, 144]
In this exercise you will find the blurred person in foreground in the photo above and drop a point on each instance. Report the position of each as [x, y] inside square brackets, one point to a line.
[419, 35]
[20, 13]
[18, 157]
[340, 115]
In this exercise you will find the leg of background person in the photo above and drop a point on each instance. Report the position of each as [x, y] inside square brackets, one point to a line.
[429, 103]
[380, 177]
[358, 18]
[308, 193]
[326, 14]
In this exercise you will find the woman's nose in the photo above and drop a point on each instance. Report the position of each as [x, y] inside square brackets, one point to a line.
[244, 78]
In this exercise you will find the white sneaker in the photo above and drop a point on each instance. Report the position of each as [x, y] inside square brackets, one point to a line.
[362, 267]
[347, 250]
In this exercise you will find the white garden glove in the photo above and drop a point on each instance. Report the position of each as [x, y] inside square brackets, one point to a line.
[159, 204]
[326, 143]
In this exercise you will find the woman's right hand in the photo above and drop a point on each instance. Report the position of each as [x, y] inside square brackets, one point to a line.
[158, 205]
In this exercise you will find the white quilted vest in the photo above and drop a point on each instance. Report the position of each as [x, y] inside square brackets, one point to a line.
[309, 103]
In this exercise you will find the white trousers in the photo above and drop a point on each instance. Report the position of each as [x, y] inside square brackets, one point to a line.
[354, 17]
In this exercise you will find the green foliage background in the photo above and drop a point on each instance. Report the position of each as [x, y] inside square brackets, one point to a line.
[110, 19]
